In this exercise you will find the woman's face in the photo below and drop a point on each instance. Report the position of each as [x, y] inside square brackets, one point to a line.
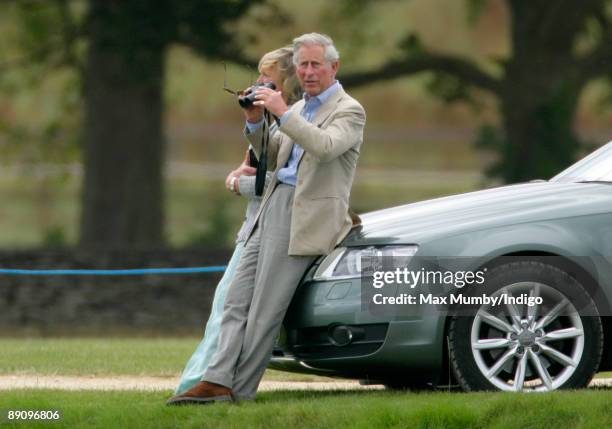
[270, 74]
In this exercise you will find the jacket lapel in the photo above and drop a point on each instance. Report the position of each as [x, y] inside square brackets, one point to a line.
[324, 111]
[284, 152]
[328, 107]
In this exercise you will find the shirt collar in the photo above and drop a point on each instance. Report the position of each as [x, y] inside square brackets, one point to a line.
[322, 97]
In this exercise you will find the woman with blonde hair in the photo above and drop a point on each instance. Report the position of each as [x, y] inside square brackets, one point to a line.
[276, 67]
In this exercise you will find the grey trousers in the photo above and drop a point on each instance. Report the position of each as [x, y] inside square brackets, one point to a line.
[256, 303]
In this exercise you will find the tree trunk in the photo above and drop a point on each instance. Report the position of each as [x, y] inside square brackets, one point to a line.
[122, 196]
[538, 110]
[540, 90]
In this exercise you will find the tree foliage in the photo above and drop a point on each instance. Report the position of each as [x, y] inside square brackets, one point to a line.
[556, 49]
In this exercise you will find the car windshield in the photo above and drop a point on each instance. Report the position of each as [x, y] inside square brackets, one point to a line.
[597, 167]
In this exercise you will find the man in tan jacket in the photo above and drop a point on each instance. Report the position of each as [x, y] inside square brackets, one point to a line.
[304, 214]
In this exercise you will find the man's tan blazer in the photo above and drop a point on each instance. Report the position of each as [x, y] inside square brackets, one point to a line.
[321, 217]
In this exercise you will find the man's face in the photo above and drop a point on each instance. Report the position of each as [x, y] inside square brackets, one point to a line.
[314, 72]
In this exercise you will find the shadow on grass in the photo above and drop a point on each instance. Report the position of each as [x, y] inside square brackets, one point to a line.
[292, 395]
[600, 388]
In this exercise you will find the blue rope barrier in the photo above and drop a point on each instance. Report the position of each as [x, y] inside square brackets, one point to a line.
[128, 272]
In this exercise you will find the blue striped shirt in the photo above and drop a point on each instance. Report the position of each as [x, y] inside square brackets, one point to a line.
[288, 174]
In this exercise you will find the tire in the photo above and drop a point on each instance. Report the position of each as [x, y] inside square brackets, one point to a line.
[528, 352]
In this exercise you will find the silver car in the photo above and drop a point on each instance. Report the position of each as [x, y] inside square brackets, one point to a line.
[550, 239]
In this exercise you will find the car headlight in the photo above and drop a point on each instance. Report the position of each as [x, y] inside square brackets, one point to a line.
[345, 262]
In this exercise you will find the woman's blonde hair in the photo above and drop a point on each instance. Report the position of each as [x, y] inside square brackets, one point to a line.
[282, 59]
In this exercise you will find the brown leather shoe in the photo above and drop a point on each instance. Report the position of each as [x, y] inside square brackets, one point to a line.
[203, 393]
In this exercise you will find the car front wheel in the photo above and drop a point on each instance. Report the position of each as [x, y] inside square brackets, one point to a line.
[520, 347]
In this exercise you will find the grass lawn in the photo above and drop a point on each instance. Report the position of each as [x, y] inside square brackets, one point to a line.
[582, 409]
[300, 409]
[157, 357]
[163, 357]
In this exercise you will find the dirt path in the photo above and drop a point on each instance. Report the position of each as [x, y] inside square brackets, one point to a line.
[8, 382]
[150, 383]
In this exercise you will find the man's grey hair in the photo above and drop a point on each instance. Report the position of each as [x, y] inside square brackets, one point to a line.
[309, 39]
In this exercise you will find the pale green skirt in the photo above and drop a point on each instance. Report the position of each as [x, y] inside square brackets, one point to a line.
[197, 365]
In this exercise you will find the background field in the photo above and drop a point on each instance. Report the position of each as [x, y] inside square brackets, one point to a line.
[161, 357]
[45, 211]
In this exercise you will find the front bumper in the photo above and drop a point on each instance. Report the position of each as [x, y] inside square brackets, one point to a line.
[387, 344]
